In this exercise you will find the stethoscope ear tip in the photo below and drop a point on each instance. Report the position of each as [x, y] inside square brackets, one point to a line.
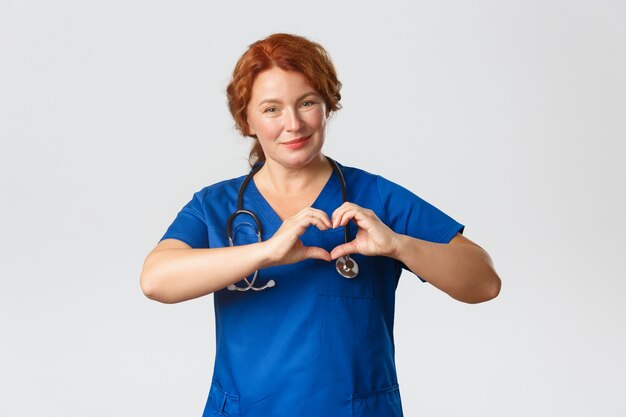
[271, 283]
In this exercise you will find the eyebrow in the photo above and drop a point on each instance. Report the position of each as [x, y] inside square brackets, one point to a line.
[275, 100]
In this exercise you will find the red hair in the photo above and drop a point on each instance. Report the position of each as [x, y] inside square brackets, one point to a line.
[289, 53]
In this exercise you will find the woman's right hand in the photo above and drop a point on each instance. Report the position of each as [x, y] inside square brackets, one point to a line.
[285, 247]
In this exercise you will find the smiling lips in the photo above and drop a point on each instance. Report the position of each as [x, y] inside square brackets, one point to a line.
[296, 143]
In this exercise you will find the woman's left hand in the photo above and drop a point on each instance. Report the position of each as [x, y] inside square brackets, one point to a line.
[373, 237]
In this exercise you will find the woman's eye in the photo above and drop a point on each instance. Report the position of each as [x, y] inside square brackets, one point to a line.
[270, 110]
[308, 103]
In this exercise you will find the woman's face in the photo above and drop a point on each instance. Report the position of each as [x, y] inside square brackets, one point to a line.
[287, 116]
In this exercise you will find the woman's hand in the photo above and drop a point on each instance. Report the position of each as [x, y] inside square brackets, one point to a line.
[373, 236]
[285, 247]
[462, 269]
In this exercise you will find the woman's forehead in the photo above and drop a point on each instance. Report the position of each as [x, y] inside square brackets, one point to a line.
[278, 85]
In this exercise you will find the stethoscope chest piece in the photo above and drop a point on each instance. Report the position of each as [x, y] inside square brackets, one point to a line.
[347, 267]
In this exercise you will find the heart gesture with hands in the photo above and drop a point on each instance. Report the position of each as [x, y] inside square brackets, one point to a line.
[373, 236]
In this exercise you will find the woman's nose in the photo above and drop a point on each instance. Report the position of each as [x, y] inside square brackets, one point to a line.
[293, 121]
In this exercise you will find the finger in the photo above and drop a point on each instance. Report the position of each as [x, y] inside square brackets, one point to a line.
[357, 214]
[315, 221]
[317, 213]
[339, 218]
[339, 211]
[342, 250]
[302, 220]
[313, 252]
[353, 211]
[345, 217]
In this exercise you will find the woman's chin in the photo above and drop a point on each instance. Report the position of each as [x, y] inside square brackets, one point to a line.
[299, 159]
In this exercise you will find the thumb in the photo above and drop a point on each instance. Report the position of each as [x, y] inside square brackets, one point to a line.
[342, 250]
[316, 253]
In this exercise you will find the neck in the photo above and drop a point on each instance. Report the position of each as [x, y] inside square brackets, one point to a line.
[284, 180]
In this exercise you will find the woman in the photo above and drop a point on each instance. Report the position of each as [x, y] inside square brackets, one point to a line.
[306, 336]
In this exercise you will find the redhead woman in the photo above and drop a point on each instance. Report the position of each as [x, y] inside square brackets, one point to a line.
[303, 254]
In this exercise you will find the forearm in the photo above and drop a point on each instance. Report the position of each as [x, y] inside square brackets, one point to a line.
[464, 271]
[180, 274]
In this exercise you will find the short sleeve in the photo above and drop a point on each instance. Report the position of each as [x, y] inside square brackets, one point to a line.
[410, 215]
[190, 225]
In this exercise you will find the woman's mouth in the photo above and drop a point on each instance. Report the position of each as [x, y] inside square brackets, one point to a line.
[296, 143]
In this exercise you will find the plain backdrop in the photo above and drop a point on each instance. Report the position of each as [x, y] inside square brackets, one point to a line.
[508, 115]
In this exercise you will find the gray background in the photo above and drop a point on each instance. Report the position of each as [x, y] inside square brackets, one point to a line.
[509, 116]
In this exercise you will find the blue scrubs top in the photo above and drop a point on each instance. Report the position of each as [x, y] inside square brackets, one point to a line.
[316, 344]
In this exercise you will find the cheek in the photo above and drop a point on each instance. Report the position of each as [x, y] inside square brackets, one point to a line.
[313, 118]
[317, 120]
[268, 129]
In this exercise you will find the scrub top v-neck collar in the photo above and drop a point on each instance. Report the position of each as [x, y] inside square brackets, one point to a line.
[327, 200]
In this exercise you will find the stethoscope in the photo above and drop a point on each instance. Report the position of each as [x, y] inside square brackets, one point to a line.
[345, 265]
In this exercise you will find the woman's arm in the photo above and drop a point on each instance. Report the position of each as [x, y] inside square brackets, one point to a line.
[175, 272]
[462, 269]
